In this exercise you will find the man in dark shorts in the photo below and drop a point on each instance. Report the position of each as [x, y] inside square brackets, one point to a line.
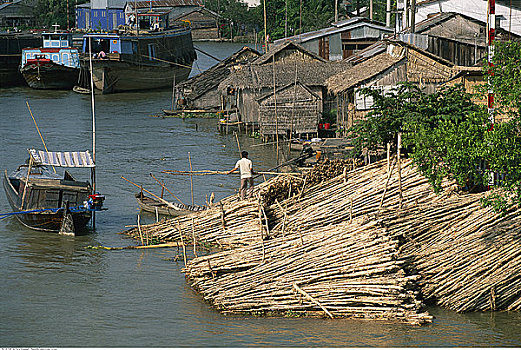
[246, 168]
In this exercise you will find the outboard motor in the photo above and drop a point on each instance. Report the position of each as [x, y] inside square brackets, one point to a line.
[95, 202]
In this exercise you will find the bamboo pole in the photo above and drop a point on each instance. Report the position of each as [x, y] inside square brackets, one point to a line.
[160, 245]
[309, 297]
[399, 147]
[169, 204]
[191, 178]
[163, 185]
[39, 133]
[139, 229]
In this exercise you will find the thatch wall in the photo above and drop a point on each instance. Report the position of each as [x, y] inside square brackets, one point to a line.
[293, 108]
[255, 76]
[400, 62]
[201, 91]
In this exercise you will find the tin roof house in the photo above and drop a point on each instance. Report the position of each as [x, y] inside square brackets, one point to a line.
[508, 12]
[158, 13]
[342, 39]
[17, 13]
[456, 37]
[200, 91]
[100, 15]
[398, 62]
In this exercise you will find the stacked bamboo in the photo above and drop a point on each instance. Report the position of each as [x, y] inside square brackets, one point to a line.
[224, 225]
[468, 256]
[347, 271]
[359, 245]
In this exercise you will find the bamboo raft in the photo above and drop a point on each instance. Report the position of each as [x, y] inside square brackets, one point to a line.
[370, 242]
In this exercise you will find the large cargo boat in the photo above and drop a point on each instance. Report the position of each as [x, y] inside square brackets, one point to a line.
[131, 61]
[11, 45]
[56, 65]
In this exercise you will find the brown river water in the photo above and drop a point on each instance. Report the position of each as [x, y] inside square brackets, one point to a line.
[55, 292]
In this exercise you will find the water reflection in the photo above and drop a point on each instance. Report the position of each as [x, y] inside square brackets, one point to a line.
[57, 293]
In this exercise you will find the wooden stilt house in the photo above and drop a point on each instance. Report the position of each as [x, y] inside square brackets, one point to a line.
[291, 109]
[286, 65]
[200, 91]
[400, 62]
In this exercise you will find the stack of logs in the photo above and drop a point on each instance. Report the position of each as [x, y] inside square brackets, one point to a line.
[371, 243]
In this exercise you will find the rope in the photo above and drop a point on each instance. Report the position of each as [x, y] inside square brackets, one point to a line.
[77, 209]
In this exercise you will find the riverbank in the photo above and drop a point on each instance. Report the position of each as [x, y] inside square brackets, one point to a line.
[365, 244]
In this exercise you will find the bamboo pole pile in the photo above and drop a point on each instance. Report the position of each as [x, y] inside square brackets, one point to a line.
[361, 244]
[359, 193]
[286, 187]
[468, 256]
[349, 271]
[232, 222]
[224, 225]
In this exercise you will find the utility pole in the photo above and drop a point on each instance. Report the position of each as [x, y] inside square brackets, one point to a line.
[371, 9]
[358, 8]
[490, 41]
[413, 16]
[265, 29]
[388, 14]
[405, 21]
[336, 10]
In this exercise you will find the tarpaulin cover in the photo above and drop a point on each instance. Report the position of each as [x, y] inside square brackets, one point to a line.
[63, 159]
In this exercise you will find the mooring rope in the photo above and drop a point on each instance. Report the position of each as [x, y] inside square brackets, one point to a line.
[77, 209]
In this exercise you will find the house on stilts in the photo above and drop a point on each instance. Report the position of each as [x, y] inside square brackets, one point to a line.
[200, 91]
[387, 64]
[276, 87]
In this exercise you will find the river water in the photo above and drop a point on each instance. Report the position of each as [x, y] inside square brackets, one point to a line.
[55, 292]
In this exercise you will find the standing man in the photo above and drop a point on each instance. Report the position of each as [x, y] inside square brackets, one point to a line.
[246, 168]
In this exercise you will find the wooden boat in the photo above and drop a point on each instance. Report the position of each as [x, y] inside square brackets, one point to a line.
[44, 200]
[11, 45]
[152, 205]
[150, 60]
[56, 65]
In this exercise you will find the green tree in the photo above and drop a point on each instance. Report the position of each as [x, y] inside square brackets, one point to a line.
[386, 119]
[445, 137]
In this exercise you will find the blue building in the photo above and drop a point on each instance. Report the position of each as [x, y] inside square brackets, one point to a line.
[100, 15]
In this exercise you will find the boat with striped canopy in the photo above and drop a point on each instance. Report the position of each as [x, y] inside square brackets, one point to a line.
[41, 199]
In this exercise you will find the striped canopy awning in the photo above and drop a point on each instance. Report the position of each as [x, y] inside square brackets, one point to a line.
[63, 159]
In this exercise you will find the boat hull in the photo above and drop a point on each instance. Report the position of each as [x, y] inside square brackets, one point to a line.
[129, 62]
[10, 56]
[115, 76]
[41, 221]
[153, 206]
[50, 75]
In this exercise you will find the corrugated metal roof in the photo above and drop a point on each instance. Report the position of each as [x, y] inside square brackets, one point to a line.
[164, 3]
[63, 159]
[338, 27]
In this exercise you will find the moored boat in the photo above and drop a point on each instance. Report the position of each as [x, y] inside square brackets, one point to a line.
[11, 45]
[56, 65]
[43, 200]
[154, 206]
[128, 61]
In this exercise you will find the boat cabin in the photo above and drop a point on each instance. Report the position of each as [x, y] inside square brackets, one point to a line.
[57, 47]
[57, 39]
[48, 189]
[109, 43]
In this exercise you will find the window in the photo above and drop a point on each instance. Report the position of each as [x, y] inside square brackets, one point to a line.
[151, 51]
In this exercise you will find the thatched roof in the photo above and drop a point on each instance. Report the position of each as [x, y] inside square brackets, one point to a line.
[210, 78]
[261, 76]
[361, 72]
[286, 46]
[301, 86]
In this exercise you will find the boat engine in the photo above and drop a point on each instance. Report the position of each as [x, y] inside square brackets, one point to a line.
[95, 202]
